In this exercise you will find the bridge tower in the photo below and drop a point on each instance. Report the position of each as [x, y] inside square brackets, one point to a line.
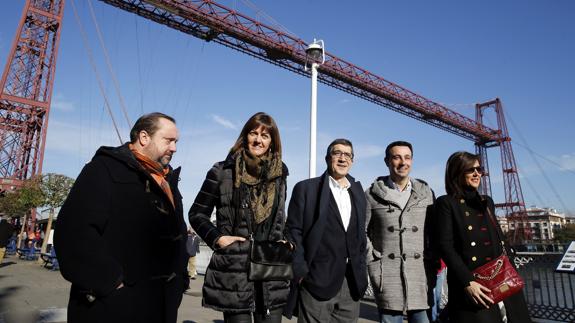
[514, 204]
[26, 87]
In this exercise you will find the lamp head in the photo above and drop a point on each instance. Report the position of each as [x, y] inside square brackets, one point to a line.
[315, 52]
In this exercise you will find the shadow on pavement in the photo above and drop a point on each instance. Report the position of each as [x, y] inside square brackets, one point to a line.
[9, 317]
[4, 292]
[6, 264]
[21, 317]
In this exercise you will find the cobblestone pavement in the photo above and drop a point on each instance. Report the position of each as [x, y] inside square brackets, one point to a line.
[30, 293]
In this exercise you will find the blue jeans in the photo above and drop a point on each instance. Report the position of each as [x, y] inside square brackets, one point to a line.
[437, 293]
[419, 316]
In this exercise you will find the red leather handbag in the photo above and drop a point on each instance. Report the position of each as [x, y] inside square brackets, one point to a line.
[499, 275]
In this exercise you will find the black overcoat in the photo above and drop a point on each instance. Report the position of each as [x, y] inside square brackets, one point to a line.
[467, 240]
[307, 214]
[117, 226]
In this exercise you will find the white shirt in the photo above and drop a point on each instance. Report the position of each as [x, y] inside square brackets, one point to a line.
[342, 199]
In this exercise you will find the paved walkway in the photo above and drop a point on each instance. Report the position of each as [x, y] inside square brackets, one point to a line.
[30, 293]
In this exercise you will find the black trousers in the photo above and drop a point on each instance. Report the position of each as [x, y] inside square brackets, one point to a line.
[274, 316]
[261, 314]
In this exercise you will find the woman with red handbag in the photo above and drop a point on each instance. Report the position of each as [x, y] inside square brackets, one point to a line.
[469, 238]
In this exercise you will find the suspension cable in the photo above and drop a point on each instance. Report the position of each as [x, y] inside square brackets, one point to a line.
[108, 63]
[94, 68]
[532, 154]
[139, 65]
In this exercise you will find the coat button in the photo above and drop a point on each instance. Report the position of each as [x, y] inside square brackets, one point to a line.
[416, 255]
[390, 228]
[414, 228]
[462, 201]
[466, 213]
[473, 258]
[473, 243]
[470, 227]
[391, 256]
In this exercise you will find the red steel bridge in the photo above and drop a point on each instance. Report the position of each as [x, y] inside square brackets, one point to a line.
[28, 77]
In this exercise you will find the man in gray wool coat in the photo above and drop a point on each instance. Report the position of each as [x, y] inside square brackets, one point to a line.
[399, 255]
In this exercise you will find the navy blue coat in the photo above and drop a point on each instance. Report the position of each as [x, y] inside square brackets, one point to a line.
[306, 222]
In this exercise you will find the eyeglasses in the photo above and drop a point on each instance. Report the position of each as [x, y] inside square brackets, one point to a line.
[339, 154]
[477, 169]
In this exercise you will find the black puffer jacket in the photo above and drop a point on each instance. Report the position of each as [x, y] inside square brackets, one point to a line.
[226, 285]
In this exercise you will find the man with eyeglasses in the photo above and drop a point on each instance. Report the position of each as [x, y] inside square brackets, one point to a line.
[326, 223]
[399, 209]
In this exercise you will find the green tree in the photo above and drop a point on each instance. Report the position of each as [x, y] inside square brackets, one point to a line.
[566, 233]
[55, 188]
[25, 198]
[20, 201]
[9, 205]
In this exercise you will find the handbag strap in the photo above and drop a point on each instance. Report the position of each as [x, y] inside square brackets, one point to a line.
[494, 272]
[495, 227]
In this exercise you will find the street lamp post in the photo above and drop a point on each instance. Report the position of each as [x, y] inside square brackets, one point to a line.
[315, 55]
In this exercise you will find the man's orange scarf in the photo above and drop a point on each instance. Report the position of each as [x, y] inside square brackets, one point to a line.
[157, 171]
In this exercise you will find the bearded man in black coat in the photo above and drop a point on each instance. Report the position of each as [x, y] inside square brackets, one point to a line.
[121, 236]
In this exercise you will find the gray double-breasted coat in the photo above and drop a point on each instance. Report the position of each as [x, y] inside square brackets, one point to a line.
[399, 245]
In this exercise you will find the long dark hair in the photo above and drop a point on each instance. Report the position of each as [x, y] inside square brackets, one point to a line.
[254, 122]
[457, 163]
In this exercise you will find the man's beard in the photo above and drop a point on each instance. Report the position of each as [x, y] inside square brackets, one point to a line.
[165, 160]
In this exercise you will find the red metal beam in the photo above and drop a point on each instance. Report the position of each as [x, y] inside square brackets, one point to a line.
[211, 21]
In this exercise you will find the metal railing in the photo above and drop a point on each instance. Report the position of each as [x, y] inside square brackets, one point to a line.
[549, 294]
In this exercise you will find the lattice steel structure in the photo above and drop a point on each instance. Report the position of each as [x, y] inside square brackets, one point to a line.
[514, 203]
[27, 90]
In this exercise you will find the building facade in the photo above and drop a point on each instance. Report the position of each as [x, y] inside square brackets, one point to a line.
[543, 222]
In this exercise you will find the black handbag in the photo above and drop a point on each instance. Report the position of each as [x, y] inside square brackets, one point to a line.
[269, 260]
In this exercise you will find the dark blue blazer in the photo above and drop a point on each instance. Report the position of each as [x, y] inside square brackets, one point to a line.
[308, 210]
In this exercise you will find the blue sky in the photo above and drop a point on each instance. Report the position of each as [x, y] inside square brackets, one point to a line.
[457, 53]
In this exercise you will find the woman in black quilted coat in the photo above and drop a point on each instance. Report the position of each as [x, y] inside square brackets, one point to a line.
[250, 185]
[468, 239]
